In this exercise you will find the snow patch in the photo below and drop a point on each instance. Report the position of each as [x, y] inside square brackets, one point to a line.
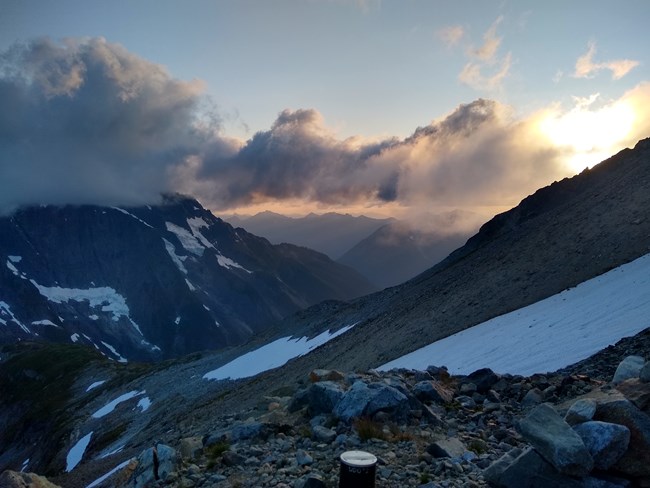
[15, 259]
[550, 334]
[229, 263]
[131, 215]
[104, 296]
[187, 240]
[196, 224]
[74, 337]
[93, 317]
[178, 320]
[99, 480]
[120, 358]
[271, 356]
[178, 260]
[110, 406]
[94, 385]
[144, 404]
[77, 451]
[190, 285]
[45, 322]
[23, 467]
[5, 310]
[12, 268]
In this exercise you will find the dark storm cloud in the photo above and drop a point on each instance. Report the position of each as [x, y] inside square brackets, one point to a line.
[299, 158]
[85, 121]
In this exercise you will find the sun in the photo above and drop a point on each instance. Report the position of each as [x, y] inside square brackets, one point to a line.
[589, 135]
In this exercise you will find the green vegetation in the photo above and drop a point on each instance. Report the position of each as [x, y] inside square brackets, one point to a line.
[369, 429]
[214, 452]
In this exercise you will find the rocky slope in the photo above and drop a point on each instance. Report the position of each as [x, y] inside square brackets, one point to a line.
[558, 237]
[151, 283]
[427, 429]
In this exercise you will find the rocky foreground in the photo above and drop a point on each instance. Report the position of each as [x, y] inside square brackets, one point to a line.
[584, 426]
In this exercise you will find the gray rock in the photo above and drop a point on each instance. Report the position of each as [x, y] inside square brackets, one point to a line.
[630, 367]
[191, 447]
[451, 448]
[323, 397]
[484, 379]
[644, 374]
[432, 391]
[581, 411]
[299, 400]
[323, 434]
[232, 458]
[248, 430]
[465, 401]
[528, 470]
[636, 461]
[303, 458]
[387, 399]
[556, 441]
[494, 471]
[605, 481]
[606, 442]
[637, 392]
[313, 481]
[534, 396]
[146, 471]
[354, 402]
[362, 399]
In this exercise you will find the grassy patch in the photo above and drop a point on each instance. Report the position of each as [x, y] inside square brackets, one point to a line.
[368, 429]
[214, 452]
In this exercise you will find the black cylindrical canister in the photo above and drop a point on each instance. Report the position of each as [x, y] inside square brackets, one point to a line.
[357, 470]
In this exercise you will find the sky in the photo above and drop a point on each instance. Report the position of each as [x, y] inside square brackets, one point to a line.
[363, 106]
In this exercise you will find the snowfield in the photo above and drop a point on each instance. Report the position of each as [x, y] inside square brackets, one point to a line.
[271, 356]
[550, 334]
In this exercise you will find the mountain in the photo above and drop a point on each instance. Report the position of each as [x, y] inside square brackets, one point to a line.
[66, 404]
[398, 251]
[562, 235]
[151, 283]
[330, 233]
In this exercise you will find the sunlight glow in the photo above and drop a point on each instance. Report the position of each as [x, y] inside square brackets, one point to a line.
[590, 135]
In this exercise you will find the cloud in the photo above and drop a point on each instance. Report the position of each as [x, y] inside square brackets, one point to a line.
[86, 121]
[586, 67]
[451, 35]
[487, 52]
[486, 70]
[473, 75]
[477, 155]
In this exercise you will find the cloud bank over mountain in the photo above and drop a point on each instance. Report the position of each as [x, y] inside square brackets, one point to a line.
[86, 121]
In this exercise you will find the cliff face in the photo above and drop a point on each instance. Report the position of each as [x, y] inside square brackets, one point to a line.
[150, 283]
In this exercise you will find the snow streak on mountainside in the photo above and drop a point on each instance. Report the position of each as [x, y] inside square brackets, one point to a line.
[148, 283]
[550, 334]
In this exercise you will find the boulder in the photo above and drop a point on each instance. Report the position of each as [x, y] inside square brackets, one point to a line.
[13, 479]
[637, 391]
[432, 391]
[483, 379]
[387, 399]
[367, 400]
[636, 461]
[323, 434]
[581, 411]
[451, 448]
[644, 374]
[191, 447]
[556, 441]
[325, 375]
[248, 430]
[605, 441]
[534, 396]
[155, 463]
[528, 470]
[323, 396]
[630, 367]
